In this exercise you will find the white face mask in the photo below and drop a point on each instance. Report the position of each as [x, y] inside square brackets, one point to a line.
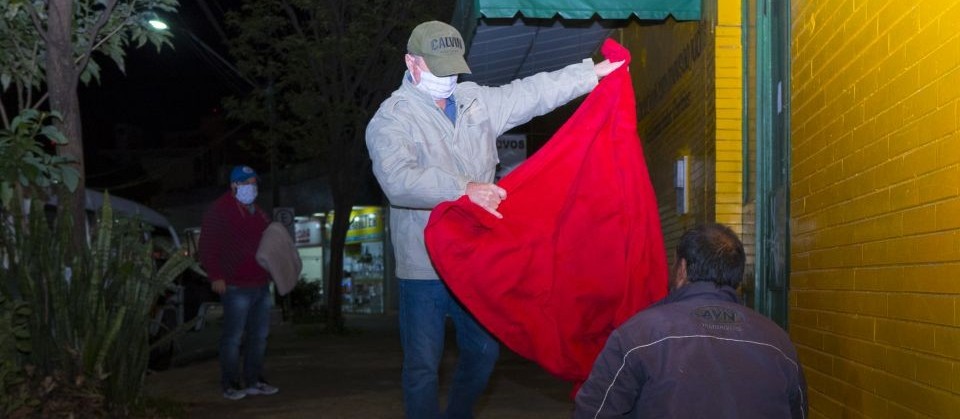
[246, 194]
[437, 87]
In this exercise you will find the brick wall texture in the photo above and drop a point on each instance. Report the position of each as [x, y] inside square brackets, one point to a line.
[673, 70]
[875, 206]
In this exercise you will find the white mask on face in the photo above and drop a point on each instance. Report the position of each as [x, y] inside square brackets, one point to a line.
[246, 194]
[437, 87]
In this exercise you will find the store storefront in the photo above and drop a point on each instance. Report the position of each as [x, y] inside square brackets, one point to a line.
[308, 232]
[363, 261]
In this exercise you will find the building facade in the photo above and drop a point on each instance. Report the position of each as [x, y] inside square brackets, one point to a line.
[843, 165]
[827, 134]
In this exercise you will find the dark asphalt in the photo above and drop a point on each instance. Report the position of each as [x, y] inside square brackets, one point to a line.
[356, 375]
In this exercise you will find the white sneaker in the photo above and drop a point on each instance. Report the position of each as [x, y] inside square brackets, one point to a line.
[234, 394]
[261, 389]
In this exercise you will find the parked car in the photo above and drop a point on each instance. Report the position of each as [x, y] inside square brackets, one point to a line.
[162, 229]
[198, 297]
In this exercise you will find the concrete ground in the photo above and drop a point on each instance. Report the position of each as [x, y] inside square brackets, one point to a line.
[356, 375]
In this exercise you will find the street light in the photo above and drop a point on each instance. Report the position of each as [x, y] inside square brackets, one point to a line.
[154, 21]
[250, 83]
[160, 25]
[149, 18]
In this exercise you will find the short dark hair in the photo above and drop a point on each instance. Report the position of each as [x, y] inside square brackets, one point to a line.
[713, 253]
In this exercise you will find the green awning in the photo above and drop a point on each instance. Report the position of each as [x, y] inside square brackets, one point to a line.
[508, 39]
[586, 9]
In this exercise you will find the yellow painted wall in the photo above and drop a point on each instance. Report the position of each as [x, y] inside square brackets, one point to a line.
[688, 82]
[875, 206]
[729, 114]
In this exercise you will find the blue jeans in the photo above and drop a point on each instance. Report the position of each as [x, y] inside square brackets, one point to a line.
[424, 306]
[246, 321]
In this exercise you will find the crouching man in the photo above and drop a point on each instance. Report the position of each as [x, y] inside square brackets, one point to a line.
[697, 353]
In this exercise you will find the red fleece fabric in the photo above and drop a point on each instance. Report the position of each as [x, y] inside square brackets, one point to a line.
[579, 249]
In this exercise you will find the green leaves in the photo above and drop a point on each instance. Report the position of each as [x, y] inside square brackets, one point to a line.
[14, 323]
[14, 342]
[23, 50]
[86, 315]
[26, 159]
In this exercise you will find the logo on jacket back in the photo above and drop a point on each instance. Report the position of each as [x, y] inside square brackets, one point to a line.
[717, 317]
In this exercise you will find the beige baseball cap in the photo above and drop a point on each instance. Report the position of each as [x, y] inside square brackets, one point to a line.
[441, 46]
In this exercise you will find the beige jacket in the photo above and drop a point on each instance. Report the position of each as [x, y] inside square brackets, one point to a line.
[278, 255]
[420, 159]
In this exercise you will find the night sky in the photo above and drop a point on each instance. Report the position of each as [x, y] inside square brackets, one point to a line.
[169, 91]
[171, 102]
[175, 93]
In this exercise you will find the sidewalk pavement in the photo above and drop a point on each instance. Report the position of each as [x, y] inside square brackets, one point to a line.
[356, 375]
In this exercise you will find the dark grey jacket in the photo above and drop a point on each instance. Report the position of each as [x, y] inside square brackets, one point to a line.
[696, 354]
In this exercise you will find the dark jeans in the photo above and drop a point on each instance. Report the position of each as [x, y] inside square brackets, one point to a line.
[424, 306]
[246, 321]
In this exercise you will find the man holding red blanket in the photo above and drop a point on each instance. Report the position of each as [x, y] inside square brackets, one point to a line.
[434, 140]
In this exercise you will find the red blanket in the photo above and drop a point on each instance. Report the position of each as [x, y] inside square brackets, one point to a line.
[579, 249]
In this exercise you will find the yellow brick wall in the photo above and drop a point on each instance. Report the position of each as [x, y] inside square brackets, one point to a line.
[688, 81]
[875, 206]
[729, 115]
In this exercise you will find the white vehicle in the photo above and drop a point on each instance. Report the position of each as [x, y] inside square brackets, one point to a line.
[162, 229]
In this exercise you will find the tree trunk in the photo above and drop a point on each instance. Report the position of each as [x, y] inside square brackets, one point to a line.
[346, 163]
[273, 150]
[62, 79]
[334, 287]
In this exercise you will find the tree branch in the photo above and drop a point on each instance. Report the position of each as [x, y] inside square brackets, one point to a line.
[39, 102]
[292, 15]
[92, 33]
[316, 67]
[338, 28]
[3, 116]
[37, 22]
[25, 93]
[401, 13]
[213, 21]
[35, 63]
[21, 100]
